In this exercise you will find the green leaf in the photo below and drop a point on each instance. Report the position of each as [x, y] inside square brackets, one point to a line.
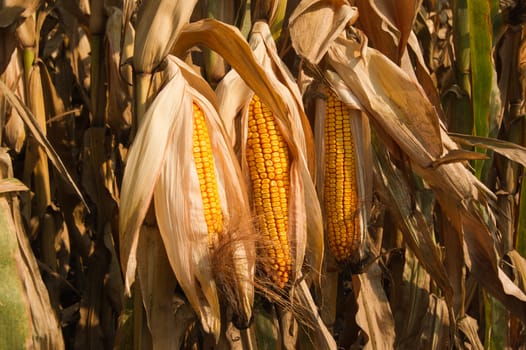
[14, 314]
[482, 71]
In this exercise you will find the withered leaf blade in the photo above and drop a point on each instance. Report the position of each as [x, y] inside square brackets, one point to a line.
[458, 155]
[416, 232]
[33, 126]
[388, 25]
[510, 150]
[144, 162]
[327, 18]
[374, 314]
[13, 10]
[389, 94]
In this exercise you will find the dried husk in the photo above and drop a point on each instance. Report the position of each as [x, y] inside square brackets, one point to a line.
[234, 95]
[158, 166]
[315, 24]
[361, 133]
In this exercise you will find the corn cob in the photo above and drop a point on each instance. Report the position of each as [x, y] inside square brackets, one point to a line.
[340, 187]
[268, 161]
[204, 163]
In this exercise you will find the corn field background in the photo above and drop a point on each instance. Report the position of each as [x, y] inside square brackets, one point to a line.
[132, 194]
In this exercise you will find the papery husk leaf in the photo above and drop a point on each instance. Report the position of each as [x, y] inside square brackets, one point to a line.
[361, 136]
[144, 161]
[234, 96]
[158, 25]
[33, 126]
[510, 150]
[374, 313]
[327, 18]
[231, 45]
[185, 234]
[388, 96]
[261, 31]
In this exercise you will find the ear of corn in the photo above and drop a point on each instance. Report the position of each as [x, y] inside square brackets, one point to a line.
[340, 197]
[204, 163]
[268, 161]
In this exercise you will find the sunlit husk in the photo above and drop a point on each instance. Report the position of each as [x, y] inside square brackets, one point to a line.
[160, 164]
[403, 113]
[305, 222]
[315, 24]
[362, 147]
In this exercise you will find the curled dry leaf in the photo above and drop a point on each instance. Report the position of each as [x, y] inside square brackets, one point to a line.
[158, 166]
[510, 150]
[326, 18]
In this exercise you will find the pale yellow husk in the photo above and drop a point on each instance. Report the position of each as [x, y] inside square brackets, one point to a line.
[160, 165]
[305, 221]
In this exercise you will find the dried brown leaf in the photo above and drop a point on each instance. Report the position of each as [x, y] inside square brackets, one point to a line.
[510, 150]
[374, 315]
[387, 93]
[40, 137]
[315, 24]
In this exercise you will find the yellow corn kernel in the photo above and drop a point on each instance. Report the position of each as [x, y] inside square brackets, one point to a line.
[340, 187]
[268, 161]
[204, 164]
